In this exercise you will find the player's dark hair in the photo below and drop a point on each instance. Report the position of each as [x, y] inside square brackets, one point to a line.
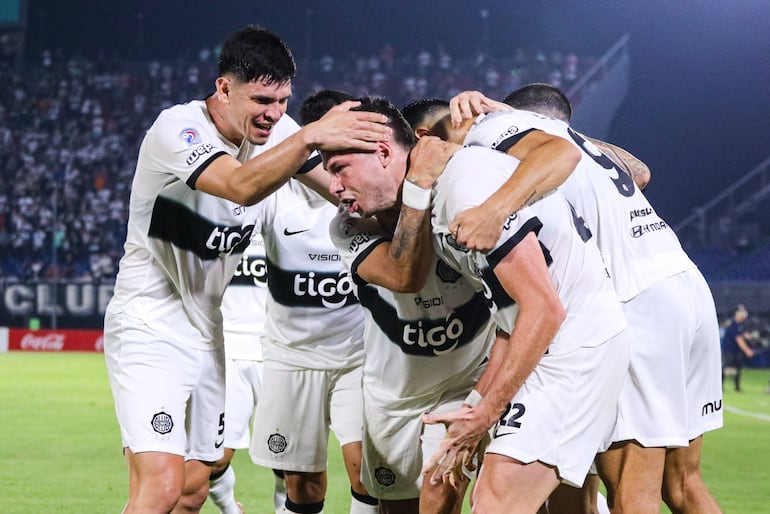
[541, 98]
[319, 103]
[255, 53]
[402, 132]
[417, 111]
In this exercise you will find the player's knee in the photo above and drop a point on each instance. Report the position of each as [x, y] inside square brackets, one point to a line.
[305, 487]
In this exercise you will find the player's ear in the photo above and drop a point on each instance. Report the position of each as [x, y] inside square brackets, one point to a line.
[422, 131]
[384, 153]
[223, 85]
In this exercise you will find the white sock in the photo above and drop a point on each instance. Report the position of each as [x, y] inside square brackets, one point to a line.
[222, 492]
[359, 507]
[601, 504]
[279, 494]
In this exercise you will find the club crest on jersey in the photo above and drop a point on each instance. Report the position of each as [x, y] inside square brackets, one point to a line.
[446, 273]
[162, 423]
[190, 136]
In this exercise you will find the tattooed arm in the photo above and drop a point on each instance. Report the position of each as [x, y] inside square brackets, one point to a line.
[402, 265]
[638, 170]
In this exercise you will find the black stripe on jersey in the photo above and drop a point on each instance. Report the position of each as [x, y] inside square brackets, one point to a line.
[193, 178]
[531, 225]
[251, 271]
[184, 228]
[508, 142]
[310, 288]
[360, 258]
[309, 164]
[498, 295]
[427, 337]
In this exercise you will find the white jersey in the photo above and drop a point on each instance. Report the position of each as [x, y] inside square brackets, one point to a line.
[594, 313]
[418, 345]
[638, 246]
[244, 304]
[183, 245]
[314, 320]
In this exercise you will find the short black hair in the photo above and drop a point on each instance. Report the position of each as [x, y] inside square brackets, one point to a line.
[417, 111]
[254, 53]
[402, 131]
[541, 98]
[319, 103]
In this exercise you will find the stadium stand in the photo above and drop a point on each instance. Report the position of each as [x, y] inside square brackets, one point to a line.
[70, 129]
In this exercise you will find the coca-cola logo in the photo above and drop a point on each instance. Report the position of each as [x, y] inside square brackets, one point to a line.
[52, 342]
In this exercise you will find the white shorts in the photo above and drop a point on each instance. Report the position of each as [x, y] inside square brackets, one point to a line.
[243, 383]
[295, 412]
[169, 397]
[675, 389]
[397, 445]
[565, 410]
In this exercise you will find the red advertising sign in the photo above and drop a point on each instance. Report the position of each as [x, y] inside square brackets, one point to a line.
[24, 340]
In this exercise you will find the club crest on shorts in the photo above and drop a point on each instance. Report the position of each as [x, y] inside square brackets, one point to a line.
[162, 423]
[276, 443]
[384, 476]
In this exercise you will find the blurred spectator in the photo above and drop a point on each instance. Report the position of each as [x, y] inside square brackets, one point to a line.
[70, 130]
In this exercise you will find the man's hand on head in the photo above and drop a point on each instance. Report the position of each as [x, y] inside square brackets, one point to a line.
[428, 159]
[470, 104]
[343, 129]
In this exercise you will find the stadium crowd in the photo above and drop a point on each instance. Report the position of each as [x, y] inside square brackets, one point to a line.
[70, 129]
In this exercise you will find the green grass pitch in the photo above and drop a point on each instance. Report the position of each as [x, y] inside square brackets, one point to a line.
[60, 446]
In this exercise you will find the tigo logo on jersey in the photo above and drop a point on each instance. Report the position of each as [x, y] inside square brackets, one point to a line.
[190, 136]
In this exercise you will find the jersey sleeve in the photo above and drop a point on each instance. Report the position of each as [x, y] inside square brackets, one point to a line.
[473, 174]
[355, 238]
[181, 147]
[501, 130]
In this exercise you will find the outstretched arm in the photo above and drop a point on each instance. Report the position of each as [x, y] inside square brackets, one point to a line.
[250, 182]
[546, 162]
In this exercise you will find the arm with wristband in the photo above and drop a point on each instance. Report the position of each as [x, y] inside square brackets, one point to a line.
[403, 264]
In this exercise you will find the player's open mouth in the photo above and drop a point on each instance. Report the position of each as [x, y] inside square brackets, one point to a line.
[348, 204]
[263, 128]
